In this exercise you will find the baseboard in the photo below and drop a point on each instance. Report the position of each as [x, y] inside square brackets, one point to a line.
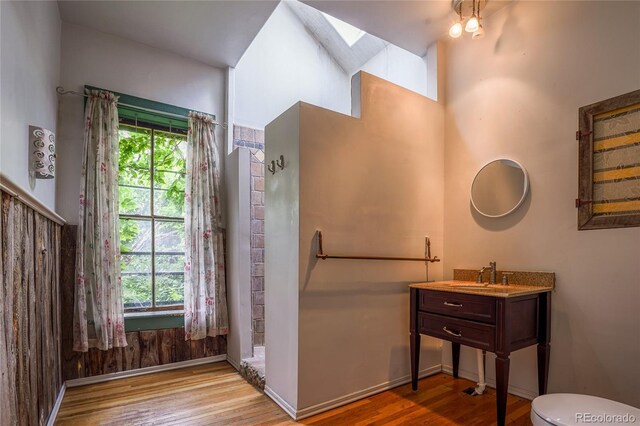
[346, 399]
[234, 363]
[280, 401]
[473, 376]
[56, 407]
[141, 371]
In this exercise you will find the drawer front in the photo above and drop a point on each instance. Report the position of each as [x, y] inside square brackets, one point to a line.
[459, 305]
[468, 333]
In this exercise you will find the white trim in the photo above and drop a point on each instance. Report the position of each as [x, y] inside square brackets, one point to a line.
[24, 196]
[473, 376]
[235, 364]
[346, 399]
[524, 193]
[230, 106]
[281, 402]
[56, 407]
[142, 371]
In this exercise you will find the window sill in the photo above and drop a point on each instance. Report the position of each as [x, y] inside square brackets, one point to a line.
[154, 314]
[154, 320]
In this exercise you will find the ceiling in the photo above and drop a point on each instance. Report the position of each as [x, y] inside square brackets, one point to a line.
[410, 24]
[219, 32]
[213, 32]
[350, 58]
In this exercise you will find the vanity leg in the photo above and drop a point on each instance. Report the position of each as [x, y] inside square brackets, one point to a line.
[414, 340]
[455, 357]
[415, 359]
[543, 367]
[502, 386]
[544, 337]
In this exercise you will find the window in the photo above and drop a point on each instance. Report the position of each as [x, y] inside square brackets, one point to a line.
[152, 165]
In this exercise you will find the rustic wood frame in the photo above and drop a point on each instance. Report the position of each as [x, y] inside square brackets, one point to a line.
[586, 218]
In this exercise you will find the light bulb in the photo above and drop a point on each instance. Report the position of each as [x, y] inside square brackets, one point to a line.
[479, 33]
[456, 30]
[472, 25]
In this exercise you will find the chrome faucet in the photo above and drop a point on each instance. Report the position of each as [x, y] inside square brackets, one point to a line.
[479, 279]
[492, 277]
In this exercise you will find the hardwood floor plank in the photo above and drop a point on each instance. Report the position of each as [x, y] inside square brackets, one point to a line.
[215, 394]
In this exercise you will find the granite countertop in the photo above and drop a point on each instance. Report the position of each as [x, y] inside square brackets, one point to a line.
[495, 290]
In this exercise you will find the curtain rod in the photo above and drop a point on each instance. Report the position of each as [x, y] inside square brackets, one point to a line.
[61, 91]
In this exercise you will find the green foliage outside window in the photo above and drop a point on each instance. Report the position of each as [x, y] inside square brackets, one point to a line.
[146, 216]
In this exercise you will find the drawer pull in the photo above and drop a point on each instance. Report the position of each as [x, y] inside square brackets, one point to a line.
[456, 305]
[451, 332]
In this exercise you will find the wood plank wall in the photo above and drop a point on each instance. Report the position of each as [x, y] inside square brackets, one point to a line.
[145, 348]
[30, 335]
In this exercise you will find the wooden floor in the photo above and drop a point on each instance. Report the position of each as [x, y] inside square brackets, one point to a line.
[215, 394]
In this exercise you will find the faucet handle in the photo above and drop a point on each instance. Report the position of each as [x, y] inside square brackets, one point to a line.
[505, 277]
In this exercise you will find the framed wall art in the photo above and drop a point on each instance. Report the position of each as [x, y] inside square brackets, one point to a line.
[609, 163]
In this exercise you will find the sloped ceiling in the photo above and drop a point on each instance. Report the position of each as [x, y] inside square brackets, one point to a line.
[410, 24]
[216, 33]
[350, 58]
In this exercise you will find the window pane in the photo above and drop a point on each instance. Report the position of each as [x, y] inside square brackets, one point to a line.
[135, 235]
[169, 236]
[134, 173]
[169, 289]
[169, 263]
[136, 280]
[135, 262]
[169, 174]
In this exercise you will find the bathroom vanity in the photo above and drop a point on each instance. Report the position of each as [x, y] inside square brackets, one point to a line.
[494, 318]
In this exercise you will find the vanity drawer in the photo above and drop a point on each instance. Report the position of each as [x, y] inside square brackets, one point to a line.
[468, 333]
[459, 305]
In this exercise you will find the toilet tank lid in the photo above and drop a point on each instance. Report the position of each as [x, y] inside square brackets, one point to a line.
[568, 409]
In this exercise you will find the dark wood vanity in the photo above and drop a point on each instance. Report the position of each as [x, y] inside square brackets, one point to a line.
[493, 319]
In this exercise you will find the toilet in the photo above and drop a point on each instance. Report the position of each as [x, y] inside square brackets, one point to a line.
[568, 409]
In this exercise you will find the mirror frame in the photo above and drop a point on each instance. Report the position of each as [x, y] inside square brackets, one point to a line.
[518, 204]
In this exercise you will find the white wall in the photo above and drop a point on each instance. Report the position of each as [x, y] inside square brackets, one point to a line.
[109, 62]
[516, 93]
[400, 67]
[282, 271]
[374, 186]
[282, 66]
[30, 70]
[238, 265]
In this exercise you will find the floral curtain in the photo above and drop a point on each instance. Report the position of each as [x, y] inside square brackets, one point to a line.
[99, 312]
[205, 300]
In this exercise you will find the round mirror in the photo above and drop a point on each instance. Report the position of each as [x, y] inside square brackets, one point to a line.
[499, 188]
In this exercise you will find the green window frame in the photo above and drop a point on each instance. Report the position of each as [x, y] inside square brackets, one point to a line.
[152, 117]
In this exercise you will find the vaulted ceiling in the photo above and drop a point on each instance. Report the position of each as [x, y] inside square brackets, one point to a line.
[218, 32]
[410, 24]
[349, 57]
[213, 32]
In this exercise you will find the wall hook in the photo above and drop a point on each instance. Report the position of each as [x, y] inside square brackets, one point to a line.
[280, 162]
[272, 167]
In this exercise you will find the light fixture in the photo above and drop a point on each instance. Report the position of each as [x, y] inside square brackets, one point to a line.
[456, 29]
[479, 33]
[472, 24]
[42, 145]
